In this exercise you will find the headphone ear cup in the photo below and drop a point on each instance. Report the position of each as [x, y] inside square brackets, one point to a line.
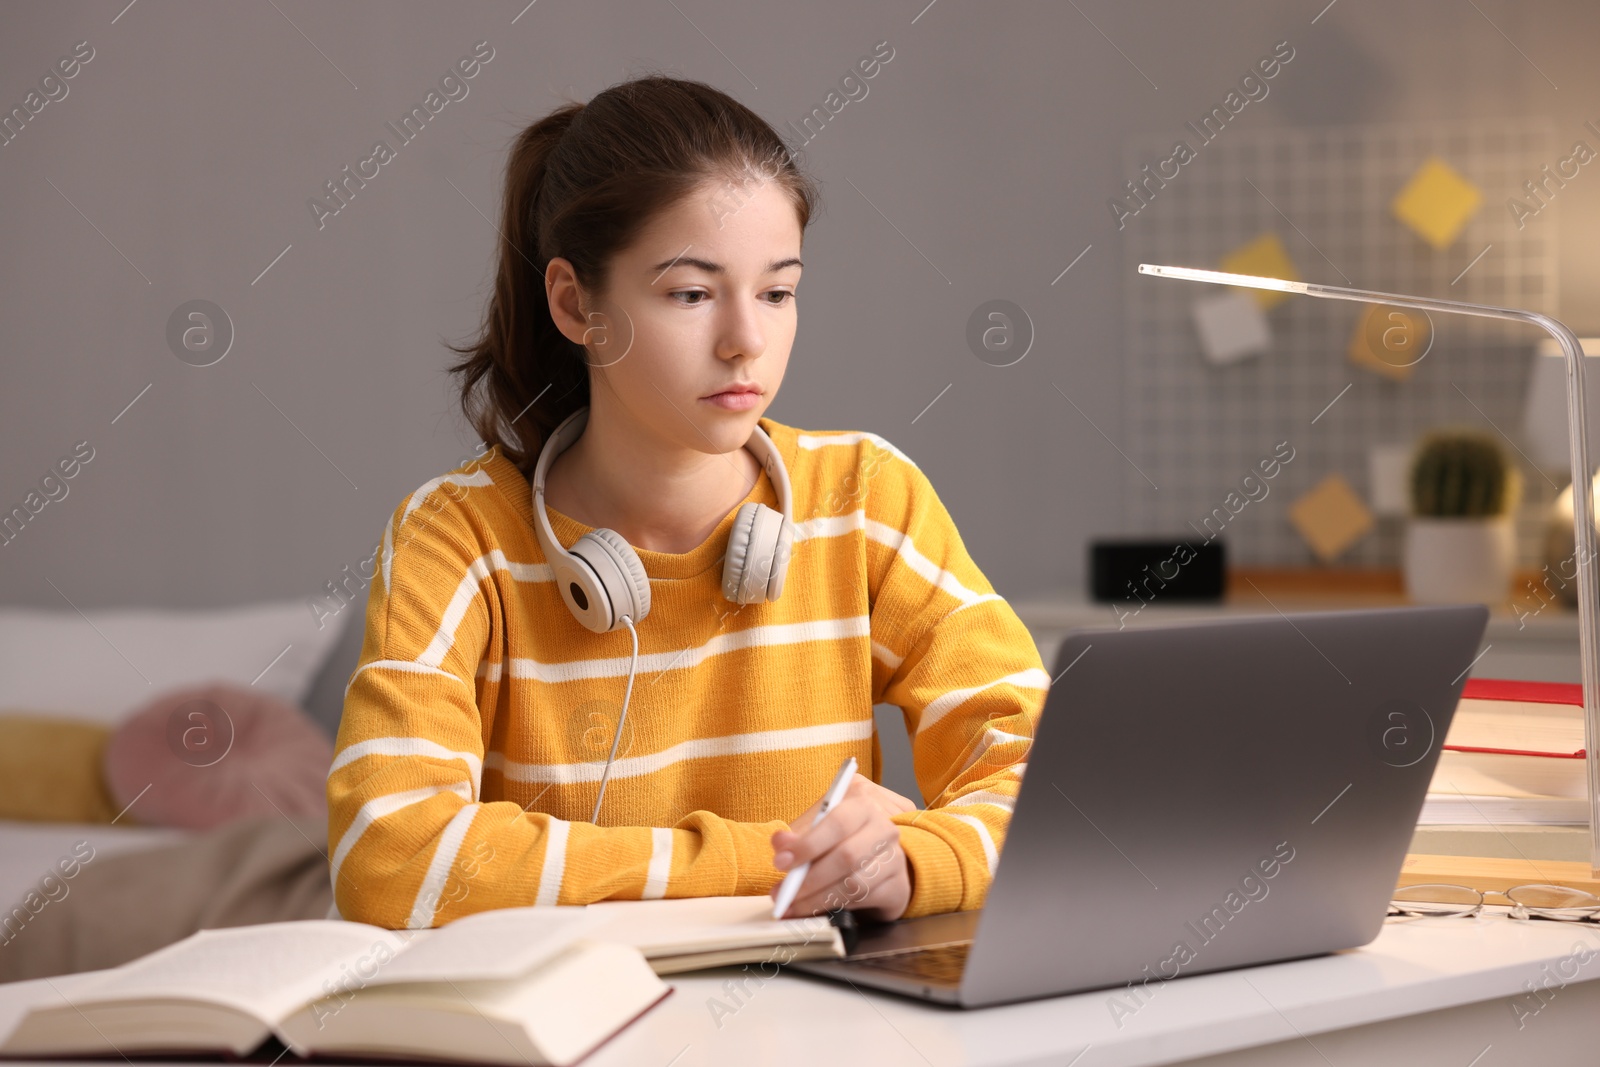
[621, 580]
[758, 555]
[733, 568]
[582, 591]
[780, 557]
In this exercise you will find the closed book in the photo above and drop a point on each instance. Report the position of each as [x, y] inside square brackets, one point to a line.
[1465, 809]
[1514, 739]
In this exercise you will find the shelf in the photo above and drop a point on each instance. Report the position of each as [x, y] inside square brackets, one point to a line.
[1258, 591]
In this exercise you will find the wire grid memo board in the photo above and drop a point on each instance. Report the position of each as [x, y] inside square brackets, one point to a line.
[1196, 428]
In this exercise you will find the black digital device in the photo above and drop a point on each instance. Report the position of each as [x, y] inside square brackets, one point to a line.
[1143, 571]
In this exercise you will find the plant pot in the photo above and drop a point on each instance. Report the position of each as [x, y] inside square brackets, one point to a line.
[1459, 560]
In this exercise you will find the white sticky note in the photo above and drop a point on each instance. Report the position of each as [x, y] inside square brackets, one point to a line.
[1387, 469]
[1544, 415]
[1231, 326]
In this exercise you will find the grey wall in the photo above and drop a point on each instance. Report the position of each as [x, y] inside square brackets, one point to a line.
[179, 166]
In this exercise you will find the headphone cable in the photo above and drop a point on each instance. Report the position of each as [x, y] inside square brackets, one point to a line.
[604, 775]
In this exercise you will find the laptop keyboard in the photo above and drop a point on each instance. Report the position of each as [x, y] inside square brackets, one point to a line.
[937, 963]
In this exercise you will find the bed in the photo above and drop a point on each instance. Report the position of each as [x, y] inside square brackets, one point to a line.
[81, 895]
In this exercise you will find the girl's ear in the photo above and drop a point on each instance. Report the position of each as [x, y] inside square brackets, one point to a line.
[566, 299]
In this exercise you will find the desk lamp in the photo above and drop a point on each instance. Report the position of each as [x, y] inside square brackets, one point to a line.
[1582, 491]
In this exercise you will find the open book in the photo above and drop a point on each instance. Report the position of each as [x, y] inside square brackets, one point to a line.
[515, 986]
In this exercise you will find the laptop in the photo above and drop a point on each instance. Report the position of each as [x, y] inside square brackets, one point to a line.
[1199, 796]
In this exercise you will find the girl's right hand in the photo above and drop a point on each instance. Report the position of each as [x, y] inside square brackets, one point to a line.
[854, 855]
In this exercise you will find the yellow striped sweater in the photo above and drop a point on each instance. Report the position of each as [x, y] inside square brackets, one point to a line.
[480, 715]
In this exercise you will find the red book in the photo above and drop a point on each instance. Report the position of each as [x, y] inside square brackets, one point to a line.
[1514, 739]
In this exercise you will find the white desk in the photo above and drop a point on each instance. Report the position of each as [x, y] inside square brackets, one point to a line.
[1436, 991]
[1427, 992]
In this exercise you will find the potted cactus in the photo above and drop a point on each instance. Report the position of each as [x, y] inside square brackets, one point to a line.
[1460, 542]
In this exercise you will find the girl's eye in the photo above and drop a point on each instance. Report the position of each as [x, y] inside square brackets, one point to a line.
[682, 297]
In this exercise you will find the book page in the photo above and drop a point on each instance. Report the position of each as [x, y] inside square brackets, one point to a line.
[557, 1013]
[692, 924]
[19, 998]
[1551, 728]
[503, 943]
[266, 971]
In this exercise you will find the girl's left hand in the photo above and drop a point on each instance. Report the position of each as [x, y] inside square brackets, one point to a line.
[856, 858]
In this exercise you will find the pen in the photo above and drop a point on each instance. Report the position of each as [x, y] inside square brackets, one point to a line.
[796, 875]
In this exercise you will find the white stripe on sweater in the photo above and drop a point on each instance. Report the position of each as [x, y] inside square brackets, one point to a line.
[793, 633]
[989, 853]
[935, 575]
[945, 703]
[410, 746]
[815, 441]
[984, 796]
[407, 665]
[415, 500]
[991, 737]
[387, 559]
[435, 882]
[655, 882]
[377, 808]
[903, 544]
[829, 525]
[555, 860]
[888, 657]
[467, 590]
[694, 748]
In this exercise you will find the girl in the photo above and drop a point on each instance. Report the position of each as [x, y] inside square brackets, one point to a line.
[768, 585]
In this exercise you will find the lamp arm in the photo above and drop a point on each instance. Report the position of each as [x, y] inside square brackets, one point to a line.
[1582, 490]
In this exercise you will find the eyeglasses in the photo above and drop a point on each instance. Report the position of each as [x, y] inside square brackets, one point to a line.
[1531, 901]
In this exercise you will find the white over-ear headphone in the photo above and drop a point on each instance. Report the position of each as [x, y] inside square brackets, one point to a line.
[600, 576]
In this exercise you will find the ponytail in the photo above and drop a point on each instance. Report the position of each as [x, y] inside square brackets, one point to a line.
[532, 376]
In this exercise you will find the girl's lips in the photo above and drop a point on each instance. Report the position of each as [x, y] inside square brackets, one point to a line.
[734, 401]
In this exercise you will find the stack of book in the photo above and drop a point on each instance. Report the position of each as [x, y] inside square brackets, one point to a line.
[516, 986]
[1514, 755]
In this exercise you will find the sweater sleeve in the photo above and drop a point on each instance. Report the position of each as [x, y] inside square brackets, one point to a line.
[412, 843]
[959, 663]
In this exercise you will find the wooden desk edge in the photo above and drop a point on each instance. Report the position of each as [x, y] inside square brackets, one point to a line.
[1497, 873]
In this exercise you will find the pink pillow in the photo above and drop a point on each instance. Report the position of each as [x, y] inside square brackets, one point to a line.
[205, 755]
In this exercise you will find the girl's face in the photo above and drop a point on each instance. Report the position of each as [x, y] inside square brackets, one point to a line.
[704, 299]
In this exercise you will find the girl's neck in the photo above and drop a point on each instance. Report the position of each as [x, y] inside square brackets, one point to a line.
[657, 500]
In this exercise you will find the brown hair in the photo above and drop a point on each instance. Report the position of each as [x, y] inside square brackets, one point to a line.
[581, 183]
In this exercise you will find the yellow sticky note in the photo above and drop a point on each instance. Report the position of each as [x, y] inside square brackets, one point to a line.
[1265, 257]
[1391, 340]
[1331, 517]
[1436, 202]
